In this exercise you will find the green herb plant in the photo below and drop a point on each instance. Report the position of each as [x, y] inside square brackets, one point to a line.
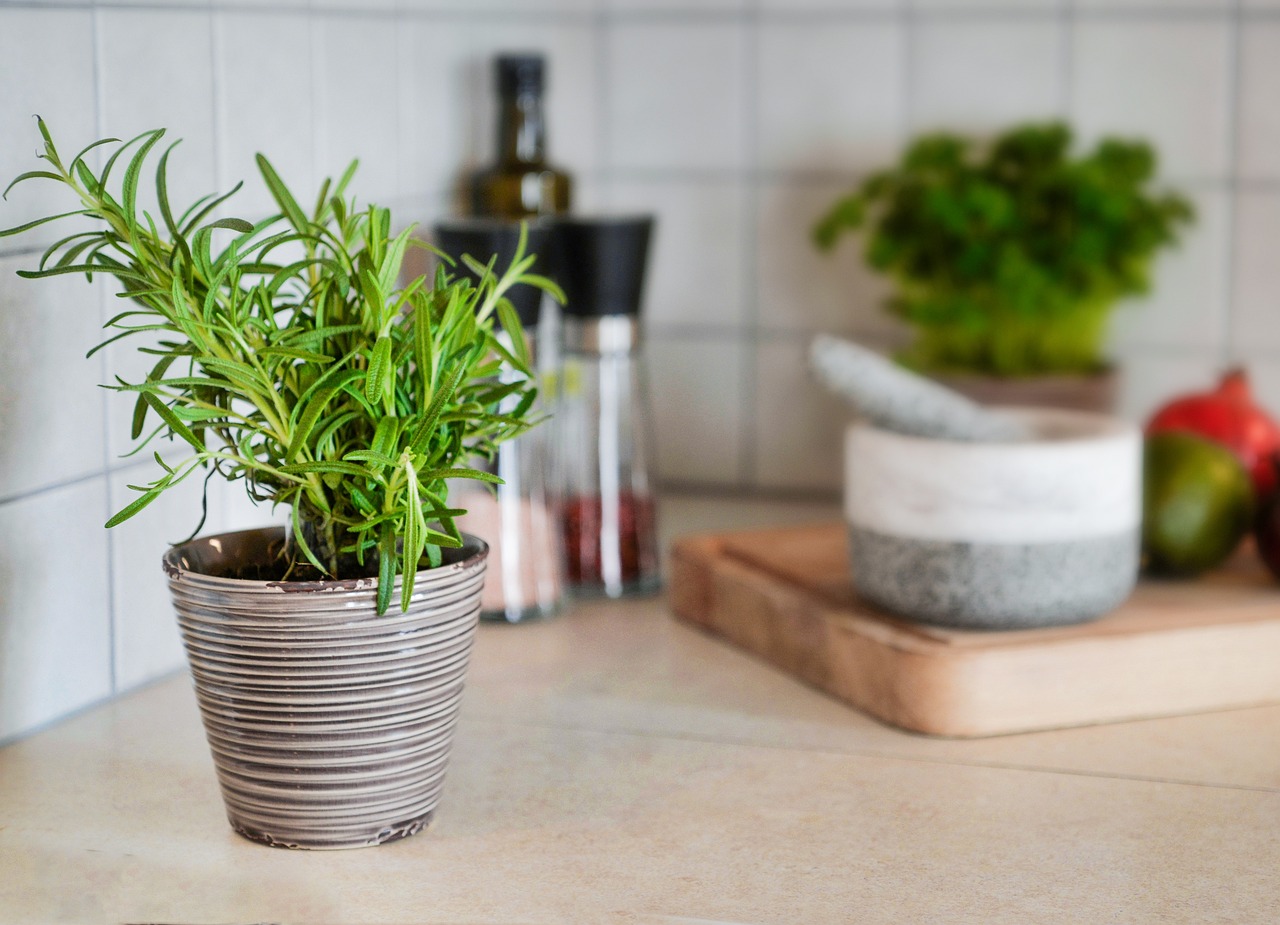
[289, 354]
[1007, 258]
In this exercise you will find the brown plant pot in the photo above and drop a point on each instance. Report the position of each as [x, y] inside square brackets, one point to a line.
[1095, 392]
[330, 726]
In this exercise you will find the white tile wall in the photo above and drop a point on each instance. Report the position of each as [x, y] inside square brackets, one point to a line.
[251, 110]
[798, 426]
[695, 386]
[156, 71]
[698, 259]
[1167, 81]
[830, 96]
[1187, 307]
[58, 84]
[357, 103]
[677, 94]
[1149, 379]
[962, 73]
[801, 288]
[435, 96]
[1256, 318]
[1258, 155]
[51, 406]
[55, 635]
[735, 121]
[146, 643]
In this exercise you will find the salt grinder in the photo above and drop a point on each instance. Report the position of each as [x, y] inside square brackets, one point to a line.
[524, 579]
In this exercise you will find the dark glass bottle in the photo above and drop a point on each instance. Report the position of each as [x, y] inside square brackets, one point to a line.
[521, 183]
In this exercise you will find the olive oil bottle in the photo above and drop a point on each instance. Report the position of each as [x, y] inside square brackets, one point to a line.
[521, 184]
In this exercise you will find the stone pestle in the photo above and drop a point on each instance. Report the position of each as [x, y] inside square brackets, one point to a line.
[896, 399]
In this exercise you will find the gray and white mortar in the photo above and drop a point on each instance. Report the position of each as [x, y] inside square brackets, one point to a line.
[997, 535]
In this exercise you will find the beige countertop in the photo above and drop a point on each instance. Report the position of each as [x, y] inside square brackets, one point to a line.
[613, 765]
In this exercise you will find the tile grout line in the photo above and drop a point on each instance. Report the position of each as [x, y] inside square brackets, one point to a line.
[100, 290]
[908, 118]
[1235, 64]
[1068, 62]
[749, 401]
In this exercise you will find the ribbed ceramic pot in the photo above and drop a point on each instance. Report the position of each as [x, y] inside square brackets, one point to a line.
[997, 535]
[330, 726]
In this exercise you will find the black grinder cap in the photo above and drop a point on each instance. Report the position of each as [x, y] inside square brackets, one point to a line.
[486, 238]
[600, 264]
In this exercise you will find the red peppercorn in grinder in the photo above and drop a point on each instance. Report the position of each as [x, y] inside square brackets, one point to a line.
[607, 514]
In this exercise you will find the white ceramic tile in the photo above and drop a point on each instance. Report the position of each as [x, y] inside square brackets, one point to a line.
[1155, 6]
[798, 425]
[802, 288]
[55, 649]
[46, 67]
[827, 6]
[1149, 379]
[1264, 380]
[231, 508]
[591, 193]
[50, 403]
[831, 95]
[157, 73]
[677, 94]
[355, 6]
[1255, 314]
[434, 58]
[677, 6]
[272, 117]
[1013, 6]
[695, 387]
[147, 643]
[1259, 120]
[124, 360]
[1167, 81]
[979, 75]
[697, 261]
[1187, 303]
[532, 7]
[357, 106]
[571, 91]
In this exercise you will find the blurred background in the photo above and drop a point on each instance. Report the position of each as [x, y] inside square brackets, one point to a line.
[736, 122]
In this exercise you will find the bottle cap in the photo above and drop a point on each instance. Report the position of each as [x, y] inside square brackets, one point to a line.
[600, 264]
[519, 73]
[488, 238]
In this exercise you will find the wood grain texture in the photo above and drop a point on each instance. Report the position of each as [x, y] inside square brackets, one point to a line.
[1174, 647]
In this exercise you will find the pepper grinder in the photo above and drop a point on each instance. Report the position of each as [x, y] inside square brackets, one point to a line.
[608, 514]
[524, 579]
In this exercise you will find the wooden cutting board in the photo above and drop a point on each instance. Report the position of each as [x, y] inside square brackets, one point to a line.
[1175, 647]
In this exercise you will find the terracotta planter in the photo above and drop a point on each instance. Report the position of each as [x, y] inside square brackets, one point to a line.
[1092, 392]
[330, 726]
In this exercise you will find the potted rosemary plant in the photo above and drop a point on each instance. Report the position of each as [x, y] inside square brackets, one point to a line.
[1009, 257]
[328, 657]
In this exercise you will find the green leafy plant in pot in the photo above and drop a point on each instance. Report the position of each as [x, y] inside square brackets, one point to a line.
[328, 656]
[1008, 257]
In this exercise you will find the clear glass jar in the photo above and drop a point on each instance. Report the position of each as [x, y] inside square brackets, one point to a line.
[608, 516]
[518, 518]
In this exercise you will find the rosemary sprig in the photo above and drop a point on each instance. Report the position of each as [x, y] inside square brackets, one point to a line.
[289, 355]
